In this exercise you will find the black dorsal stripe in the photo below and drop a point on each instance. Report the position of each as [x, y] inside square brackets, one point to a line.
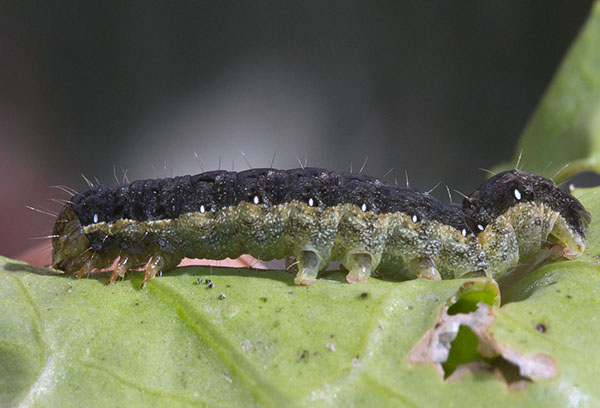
[158, 199]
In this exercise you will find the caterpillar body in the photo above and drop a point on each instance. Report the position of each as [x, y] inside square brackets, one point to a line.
[317, 216]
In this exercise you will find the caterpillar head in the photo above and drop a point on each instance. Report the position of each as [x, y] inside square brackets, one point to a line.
[70, 246]
[510, 188]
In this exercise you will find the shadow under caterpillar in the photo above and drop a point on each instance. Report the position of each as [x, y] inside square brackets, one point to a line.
[318, 216]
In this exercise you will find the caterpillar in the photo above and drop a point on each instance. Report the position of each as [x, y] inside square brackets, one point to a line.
[317, 216]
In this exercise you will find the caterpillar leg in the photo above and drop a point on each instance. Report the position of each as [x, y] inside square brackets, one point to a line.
[556, 252]
[122, 267]
[360, 266]
[309, 264]
[85, 269]
[156, 265]
[424, 268]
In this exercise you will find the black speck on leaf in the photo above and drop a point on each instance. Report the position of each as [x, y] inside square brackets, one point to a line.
[303, 355]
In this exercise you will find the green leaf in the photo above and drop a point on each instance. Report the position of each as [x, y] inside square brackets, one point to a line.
[66, 341]
[266, 342]
[565, 128]
[74, 342]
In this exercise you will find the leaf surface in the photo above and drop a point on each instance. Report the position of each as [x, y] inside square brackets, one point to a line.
[562, 137]
[74, 342]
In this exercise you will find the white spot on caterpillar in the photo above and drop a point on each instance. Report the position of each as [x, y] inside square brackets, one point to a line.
[481, 228]
[256, 200]
[95, 218]
[517, 194]
[464, 232]
[202, 209]
[363, 207]
[311, 202]
[415, 219]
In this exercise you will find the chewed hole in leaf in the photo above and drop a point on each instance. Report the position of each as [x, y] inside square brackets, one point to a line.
[510, 372]
[467, 303]
[460, 342]
[463, 350]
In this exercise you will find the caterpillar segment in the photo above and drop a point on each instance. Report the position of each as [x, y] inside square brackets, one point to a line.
[523, 217]
[318, 216]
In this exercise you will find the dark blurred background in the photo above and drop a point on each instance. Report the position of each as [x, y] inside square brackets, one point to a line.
[436, 88]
